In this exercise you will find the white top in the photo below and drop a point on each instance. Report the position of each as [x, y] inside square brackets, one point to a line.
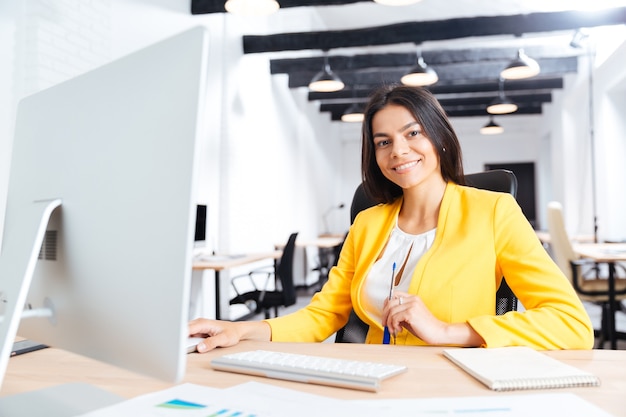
[401, 247]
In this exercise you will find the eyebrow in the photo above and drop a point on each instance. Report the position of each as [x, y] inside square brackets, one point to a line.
[402, 129]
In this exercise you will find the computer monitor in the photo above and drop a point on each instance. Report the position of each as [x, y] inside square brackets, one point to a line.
[103, 167]
[200, 234]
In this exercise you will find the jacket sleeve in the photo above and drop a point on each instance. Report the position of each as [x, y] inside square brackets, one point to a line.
[328, 310]
[554, 317]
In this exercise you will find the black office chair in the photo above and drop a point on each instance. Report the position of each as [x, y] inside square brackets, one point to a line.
[500, 180]
[284, 294]
[504, 181]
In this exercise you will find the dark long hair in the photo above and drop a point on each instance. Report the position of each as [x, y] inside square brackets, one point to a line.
[435, 126]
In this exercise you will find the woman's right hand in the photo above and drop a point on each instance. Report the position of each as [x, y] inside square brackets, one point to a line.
[226, 333]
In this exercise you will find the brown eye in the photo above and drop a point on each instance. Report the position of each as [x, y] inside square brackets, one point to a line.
[382, 143]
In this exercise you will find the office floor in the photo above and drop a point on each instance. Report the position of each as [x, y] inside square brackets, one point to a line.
[594, 313]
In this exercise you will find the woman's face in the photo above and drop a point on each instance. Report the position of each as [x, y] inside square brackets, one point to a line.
[404, 155]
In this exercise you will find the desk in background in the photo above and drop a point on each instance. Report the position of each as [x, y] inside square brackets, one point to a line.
[218, 263]
[544, 237]
[429, 375]
[608, 253]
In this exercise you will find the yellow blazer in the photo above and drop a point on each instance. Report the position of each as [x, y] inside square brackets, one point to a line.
[481, 236]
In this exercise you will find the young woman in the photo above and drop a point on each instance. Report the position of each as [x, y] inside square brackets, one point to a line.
[444, 245]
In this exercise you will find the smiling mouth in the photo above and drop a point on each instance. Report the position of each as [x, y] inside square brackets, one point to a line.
[406, 166]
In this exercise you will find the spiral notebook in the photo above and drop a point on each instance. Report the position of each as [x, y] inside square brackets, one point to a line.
[518, 368]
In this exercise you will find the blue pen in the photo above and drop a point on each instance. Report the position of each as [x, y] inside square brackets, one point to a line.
[386, 334]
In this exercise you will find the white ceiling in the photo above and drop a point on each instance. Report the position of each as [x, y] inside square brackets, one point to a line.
[365, 14]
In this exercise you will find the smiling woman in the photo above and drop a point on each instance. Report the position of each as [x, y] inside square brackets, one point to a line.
[446, 245]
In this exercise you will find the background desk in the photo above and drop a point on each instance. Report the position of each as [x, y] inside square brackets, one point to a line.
[429, 375]
[608, 253]
[218, 263]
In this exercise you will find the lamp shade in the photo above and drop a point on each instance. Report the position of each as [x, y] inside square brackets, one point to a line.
[491, 128]
[326, 80]
[420, 75]
[397, 2]
[501, 105]
[251, 7]
[353, 114]
[521, 67]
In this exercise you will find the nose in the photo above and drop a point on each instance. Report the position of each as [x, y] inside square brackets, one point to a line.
[399, 146]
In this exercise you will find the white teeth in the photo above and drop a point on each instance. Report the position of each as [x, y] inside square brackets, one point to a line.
[405, 166]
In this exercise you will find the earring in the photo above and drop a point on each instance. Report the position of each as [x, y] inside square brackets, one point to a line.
[443, 149]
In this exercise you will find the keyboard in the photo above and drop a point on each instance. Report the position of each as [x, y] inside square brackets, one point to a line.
[344, 373]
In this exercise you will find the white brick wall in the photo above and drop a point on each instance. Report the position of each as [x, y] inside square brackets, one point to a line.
[60, 39]
[45, 42]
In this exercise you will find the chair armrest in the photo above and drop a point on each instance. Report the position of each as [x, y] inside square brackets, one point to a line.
[250, 277]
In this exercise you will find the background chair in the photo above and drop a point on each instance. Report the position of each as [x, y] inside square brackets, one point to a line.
[260, 298]
[500, 180]
[584, 274]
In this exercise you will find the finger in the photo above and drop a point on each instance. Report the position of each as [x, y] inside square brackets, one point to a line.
[386, 310]
[203, 327]
[212, 342]
[399, 294]
[393, 324]
[398, 312]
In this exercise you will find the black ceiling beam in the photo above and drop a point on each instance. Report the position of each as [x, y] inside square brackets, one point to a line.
[447, 73]
[533, 84]
[467, 103]
[217, 6]
[336, 110]
[419, 32]
[432, 57]
[484, 100]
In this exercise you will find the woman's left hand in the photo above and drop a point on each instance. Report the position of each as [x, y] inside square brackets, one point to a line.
[409, 311]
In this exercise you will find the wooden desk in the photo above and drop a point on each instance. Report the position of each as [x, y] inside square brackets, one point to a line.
[544, 237]
[608, 253]
[324, 242]
[219, 263]
[429, 374]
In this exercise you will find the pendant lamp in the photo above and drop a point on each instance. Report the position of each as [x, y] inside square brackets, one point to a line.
[501, 104]
[491, 128]
[251, 7]
[353, 114]
[326, 80]
[521, 67]
[420, 75]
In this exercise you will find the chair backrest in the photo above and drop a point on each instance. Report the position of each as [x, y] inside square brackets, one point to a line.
[285, 271]
[500, 180]
[360, 202]
[504, 181]
[560, 243]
